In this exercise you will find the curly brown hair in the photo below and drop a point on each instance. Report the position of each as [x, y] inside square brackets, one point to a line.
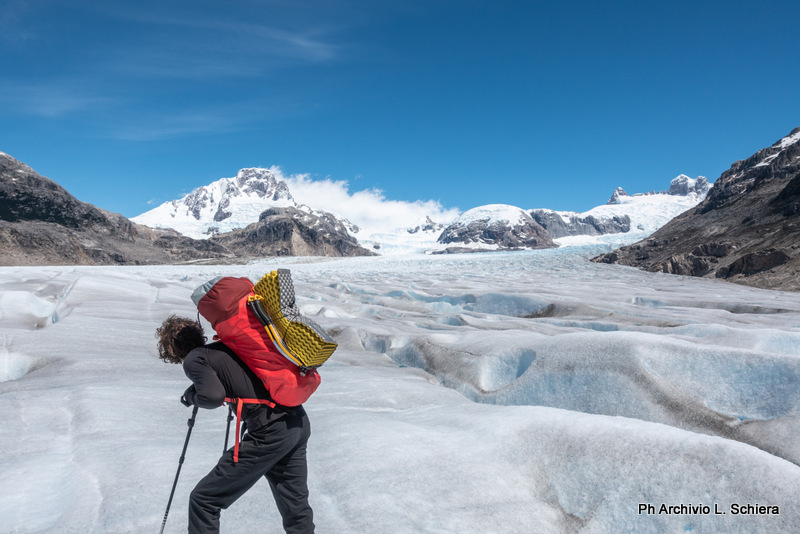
[177, 336]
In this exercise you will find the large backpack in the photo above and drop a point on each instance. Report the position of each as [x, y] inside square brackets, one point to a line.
[265, 329]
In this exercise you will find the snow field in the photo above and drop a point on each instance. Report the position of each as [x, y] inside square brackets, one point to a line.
[527, 392]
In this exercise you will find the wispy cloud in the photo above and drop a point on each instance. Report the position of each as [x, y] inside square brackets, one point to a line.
[134, 117]
[186, 45]
[143, 122]
[160, 127]
[160, 70]
[11, 28]
[220, 55]
[52, 99]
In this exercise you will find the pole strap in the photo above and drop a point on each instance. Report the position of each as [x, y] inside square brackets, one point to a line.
[239, 403]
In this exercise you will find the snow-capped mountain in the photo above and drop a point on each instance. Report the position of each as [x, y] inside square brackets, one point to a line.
[644, 213]
[225, 205]
[234, 203]
[624, 219]
[496, 227]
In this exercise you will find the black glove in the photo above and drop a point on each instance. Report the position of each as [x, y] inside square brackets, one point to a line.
[189, 396]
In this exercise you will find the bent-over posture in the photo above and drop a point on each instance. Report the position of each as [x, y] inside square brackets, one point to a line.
[274, 445]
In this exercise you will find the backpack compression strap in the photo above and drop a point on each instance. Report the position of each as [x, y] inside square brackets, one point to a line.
[239, 403]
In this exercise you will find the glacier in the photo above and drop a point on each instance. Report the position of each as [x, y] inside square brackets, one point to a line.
[484, 393]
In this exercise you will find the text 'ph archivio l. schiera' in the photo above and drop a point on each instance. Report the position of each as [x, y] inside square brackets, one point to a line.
[704, 509]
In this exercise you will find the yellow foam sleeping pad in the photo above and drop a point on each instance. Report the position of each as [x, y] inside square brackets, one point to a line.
[297, 337]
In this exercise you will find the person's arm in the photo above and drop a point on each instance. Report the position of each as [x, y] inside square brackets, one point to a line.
[207, 391]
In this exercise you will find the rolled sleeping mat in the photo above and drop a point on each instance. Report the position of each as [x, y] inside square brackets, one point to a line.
[297, 337]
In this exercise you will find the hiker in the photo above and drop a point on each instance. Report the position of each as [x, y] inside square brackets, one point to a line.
[274, 445]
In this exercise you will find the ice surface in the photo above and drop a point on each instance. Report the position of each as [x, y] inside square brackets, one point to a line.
[481, 393]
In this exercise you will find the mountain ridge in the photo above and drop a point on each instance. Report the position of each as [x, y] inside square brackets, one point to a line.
[746, 230]
[204, 213]
[41, 223]
[234, 204]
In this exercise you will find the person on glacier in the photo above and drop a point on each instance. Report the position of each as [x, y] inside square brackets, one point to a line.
[273, 447]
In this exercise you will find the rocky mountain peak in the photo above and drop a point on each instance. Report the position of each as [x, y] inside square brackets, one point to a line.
[223, 205]
[617, 195]
[261, 183]
[683, 185]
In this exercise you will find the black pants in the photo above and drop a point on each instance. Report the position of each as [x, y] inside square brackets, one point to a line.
[277, 452]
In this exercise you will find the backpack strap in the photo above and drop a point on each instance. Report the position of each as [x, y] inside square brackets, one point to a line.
[239, 403]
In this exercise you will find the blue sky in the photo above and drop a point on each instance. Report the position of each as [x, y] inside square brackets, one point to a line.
[535, 104]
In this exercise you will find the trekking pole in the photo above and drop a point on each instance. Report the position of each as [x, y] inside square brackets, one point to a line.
[228, 429]
[190, 422]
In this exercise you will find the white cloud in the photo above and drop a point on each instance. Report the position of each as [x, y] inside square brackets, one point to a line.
[368, 208]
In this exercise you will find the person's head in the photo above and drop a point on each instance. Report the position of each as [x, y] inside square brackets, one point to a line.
[177, 337]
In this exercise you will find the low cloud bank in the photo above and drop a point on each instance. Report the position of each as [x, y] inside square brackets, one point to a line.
[368, 208]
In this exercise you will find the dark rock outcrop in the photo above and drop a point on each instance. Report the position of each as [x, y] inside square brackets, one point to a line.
[292, 232]
[557, 227]
[747, 230]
